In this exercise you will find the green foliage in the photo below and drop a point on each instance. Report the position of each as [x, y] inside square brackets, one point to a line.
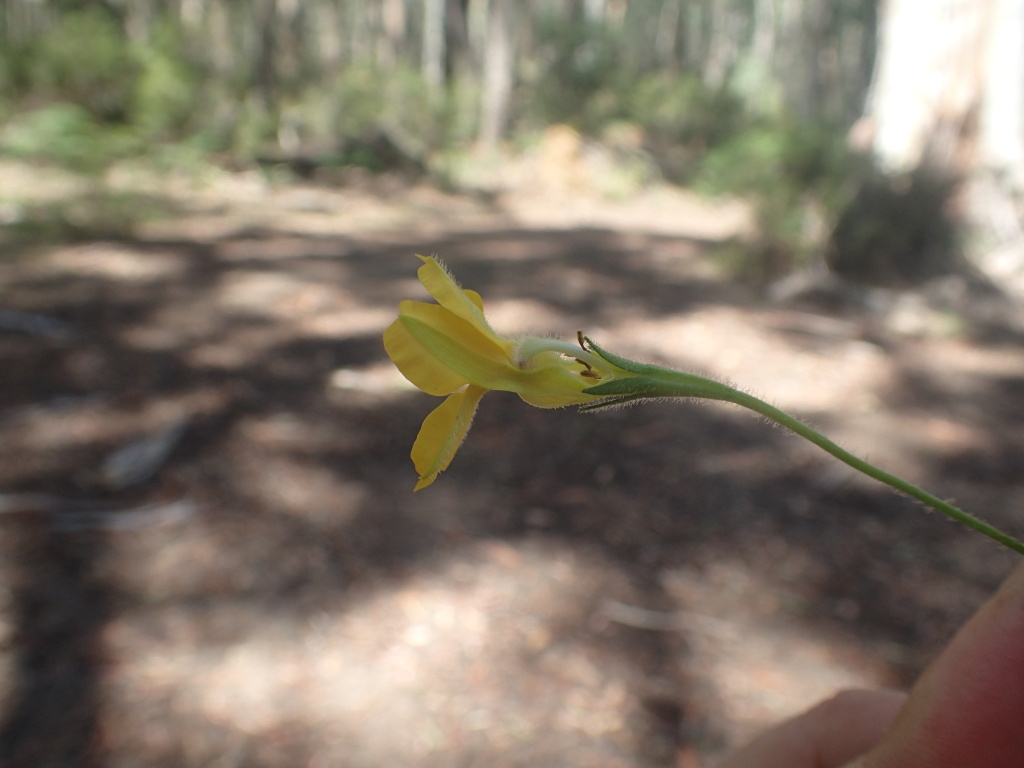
[574, 76]
[357, 101]
[81, 92]
[770, 159]
[166, 91]
[84, 59]
[897, 231]
[412, 114]
[798, 177]
[250, 128]
[581, 75]
[77, 89]
[68, 135]
[353, 103]
[98, 213]
[678, 107]
[682, 118]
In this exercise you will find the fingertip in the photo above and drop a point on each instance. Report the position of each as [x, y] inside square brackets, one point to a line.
[828, 735]
[853, 722]
[968, 707]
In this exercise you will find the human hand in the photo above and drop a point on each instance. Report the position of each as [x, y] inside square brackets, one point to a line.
[966, 711]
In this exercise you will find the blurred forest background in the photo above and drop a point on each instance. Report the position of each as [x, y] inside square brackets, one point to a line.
[210, 553]
[900, 123]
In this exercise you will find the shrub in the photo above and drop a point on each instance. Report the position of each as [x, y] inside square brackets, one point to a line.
[84, 59]
[68, 135]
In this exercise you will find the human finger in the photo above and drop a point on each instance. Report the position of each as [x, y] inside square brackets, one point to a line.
[968, 707]
[826, 736]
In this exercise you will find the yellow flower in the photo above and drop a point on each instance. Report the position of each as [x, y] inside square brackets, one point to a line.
[449, 349]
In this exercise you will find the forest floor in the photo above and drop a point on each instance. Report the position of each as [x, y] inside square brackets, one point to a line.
[640, 587]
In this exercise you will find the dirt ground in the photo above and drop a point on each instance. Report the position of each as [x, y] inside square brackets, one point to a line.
[255, 584]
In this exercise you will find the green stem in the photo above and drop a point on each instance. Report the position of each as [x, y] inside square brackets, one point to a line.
[643, 381]
[795, 425]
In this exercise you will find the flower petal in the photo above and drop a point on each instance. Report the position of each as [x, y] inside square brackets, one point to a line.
[443, 432]
[465, 304]
[464, 355]
[419, 365]
[446, 323]
[551, 386]
[475, 298]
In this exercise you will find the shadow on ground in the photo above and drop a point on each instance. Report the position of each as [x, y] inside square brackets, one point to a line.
[625, 588]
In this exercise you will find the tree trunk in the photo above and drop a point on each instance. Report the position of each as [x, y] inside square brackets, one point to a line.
[946, 115]
[594, 11]
[433, 44]
[929, 83]
[498, 62]
[668, 32]
[996, 193]
[393, 28]
[265, 54]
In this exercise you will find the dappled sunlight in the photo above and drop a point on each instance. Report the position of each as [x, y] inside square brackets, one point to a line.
[273, 294]
[414, 676]
[515, 317]
[745, 346]
[307, 305]
[664, 211]
[379, 382]
[218, 544]
[96, 420]
[352, 321]
[238, 350]
[630, 588]
[744, 629]
[34, 188]
[222, 206]
[114, 261]
[284, 477]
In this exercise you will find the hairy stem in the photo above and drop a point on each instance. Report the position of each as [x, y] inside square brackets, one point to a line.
[653, 381]
[795, 425]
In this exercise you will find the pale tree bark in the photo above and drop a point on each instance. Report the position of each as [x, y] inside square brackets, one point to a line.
[498, 63]
[433, 44]
[765, 30]
[1001, 143]
[996, 192]
[947, 103]
[668, 32]
[929, 82]
[393, 28]
[594, 10]
[695, 16]
[615, 13]
[722, 46]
